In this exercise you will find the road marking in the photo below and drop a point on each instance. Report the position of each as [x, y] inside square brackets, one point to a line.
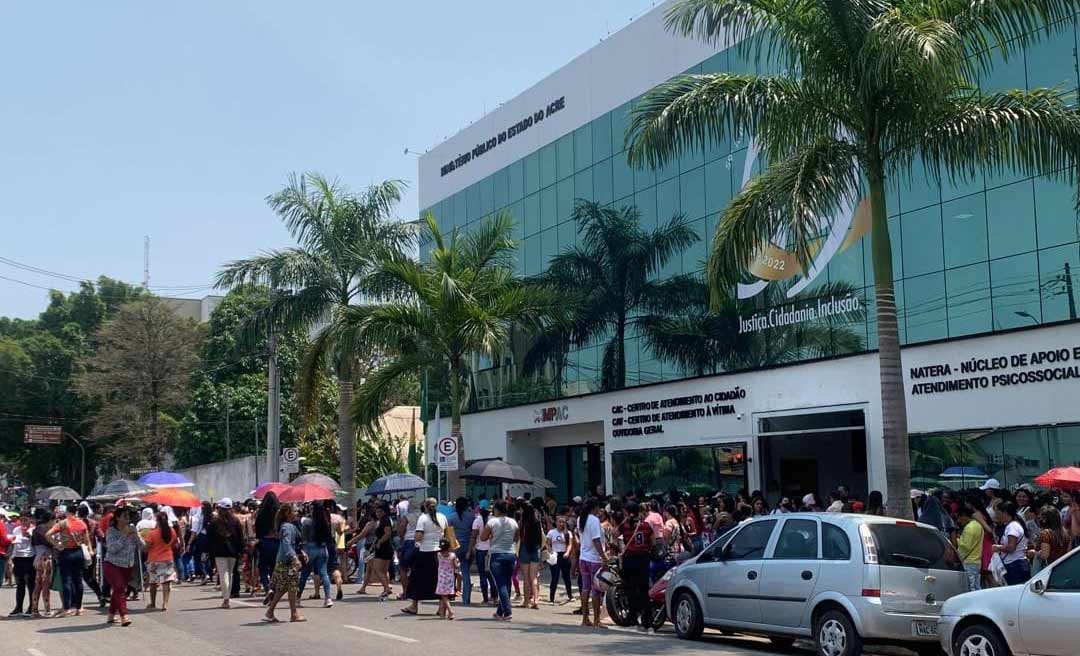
[244, 603]
[381, 634]
[628, 629]
[34, 652]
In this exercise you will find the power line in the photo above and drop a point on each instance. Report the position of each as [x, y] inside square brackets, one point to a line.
[79, 279]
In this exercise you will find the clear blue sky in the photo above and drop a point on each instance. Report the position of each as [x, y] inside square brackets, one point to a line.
[176, 120]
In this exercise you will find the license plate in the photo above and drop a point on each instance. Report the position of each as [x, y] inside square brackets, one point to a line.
[924, 628]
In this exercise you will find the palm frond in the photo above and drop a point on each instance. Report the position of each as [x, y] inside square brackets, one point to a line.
[791, 202]
[1008, 25]
[369, 399]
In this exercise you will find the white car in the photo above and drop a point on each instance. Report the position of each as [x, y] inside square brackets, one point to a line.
[1038, 618]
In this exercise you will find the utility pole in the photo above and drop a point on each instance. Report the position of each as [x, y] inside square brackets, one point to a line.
[228, 441]
[256, 451]
[273, 413]
[1069, 292]
[82, 470]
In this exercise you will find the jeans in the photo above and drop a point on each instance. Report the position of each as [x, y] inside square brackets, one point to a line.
[24, 579]
[635, 576]
[268, 548]
[72, 564]
[1017, 572]
[502, 568]
[317, 557]
[90, 579]
[225, 571]
[561, 566]
[485, 575]
[118, 579]
[187, 562]
[973, 571]
[466, 575]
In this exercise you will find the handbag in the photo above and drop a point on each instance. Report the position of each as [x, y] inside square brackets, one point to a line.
[88, 556]
[451, 536]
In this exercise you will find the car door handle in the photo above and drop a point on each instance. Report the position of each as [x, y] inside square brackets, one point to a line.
[751, 575]
[807, 575]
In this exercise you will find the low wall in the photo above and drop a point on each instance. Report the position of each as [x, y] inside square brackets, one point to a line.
[230, 478]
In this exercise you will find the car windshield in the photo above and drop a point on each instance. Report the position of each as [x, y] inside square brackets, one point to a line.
[908, 545]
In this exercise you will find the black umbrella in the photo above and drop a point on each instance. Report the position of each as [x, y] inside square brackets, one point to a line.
[396, 483]
[119, 489]
[58, 493]
[497, 470]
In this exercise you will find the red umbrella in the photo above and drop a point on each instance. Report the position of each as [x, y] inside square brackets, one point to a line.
[173, 496]
[1065, 478]
[304, 492]
[276, 488]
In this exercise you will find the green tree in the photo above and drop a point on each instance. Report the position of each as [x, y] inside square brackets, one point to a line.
[342, 237]
[610, 282]
[867, 88]
[463, 301]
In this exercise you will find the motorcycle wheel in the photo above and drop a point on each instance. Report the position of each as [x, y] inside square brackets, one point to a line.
[618, 606]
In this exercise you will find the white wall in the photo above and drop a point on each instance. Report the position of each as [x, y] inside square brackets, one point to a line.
[622, 66]
[844, 381]
[231, 478]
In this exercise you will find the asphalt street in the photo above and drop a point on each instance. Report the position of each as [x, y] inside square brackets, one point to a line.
[195, 626]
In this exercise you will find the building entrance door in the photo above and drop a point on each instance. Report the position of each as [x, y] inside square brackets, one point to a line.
[812, 451]
[575, 470]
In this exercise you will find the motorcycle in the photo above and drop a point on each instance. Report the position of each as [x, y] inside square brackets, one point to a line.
[617, 601]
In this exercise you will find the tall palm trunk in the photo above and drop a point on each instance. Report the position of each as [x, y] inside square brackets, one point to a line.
[454, 483]
[891, 372]
[347, 443]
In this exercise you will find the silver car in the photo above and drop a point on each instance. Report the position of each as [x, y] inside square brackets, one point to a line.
[841, 580]
[1039, 617]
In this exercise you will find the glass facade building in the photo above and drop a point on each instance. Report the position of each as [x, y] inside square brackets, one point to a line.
[989, 255]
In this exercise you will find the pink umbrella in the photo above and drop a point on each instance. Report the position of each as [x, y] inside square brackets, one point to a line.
[1064, 478]
[305, 492]
[276, 488]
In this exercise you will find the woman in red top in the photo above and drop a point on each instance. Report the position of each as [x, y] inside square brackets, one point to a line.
[69, 535]
[638, 536]
[160, 569]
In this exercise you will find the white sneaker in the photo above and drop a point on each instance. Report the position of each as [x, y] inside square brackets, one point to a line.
[329, 603]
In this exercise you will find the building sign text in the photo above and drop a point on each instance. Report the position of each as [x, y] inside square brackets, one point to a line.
[648, 417]
[509, 133]
[999, 371]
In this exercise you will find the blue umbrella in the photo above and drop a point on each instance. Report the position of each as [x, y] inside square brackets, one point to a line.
[396, 483]
[964, 471]
[165, 479]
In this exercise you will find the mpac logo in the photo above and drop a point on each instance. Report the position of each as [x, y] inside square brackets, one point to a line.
[775, 263]
[550, 414]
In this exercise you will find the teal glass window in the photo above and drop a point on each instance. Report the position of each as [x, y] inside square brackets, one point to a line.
[919, 189]
[602, 190]
[1015, 291]
[620, 120]
[564, 200]
[548, 166]
[487, 195]
[667, 171]
[1011, 219]
[693, 258]
[692, 193]
[644, 177]
[1059, 282]
[601, 137]
[924, 298]
[646, 205]
[1055, 213]
[1051, 61]
[532, 214]
[515, 174]
[717, 186]
[968, 299]
[1005, 75]
[691, 158]
[564, 157]
[896, 240]
[922, 241]
[583, 186]
[962, 185]
[964, 225]
[583, 156]
[533, 255]
[517, 212]
[532, 173]
[622, 177]
[460, 210]
[548, 208]
[549, 246]
[473, 202]
[847, 267]
[501, 189]
[567, 236]
[667, 201]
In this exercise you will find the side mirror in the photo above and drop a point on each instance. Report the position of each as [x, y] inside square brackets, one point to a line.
[1038, 587]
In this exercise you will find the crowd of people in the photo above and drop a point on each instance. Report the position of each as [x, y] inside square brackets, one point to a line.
[433, 551]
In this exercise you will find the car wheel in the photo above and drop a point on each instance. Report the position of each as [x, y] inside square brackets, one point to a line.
[781, 642]
[836, 635]
[688, 621]
[980, 640]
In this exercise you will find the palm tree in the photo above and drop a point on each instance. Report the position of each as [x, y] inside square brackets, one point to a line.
[464, 301]
[610, 281]
[873, 86]
[688, 332]
[341, 237]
